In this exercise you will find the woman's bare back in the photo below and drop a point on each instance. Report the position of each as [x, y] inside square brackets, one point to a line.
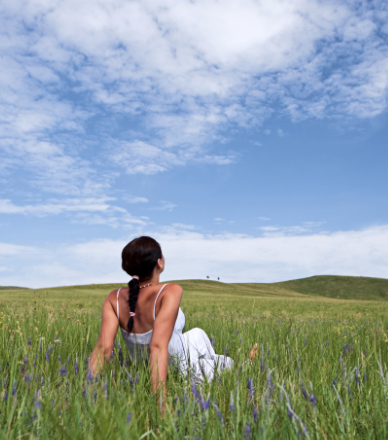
[144, 319]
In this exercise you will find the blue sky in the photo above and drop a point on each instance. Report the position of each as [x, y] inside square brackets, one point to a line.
[249, 137]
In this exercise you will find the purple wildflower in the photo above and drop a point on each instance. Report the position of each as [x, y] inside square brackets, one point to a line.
[63, 371]
[178, 412]
[205, 404]
[14, 389]
[137, 377]
[251, 389]
[255, 414]
[356, 376]
[305, 342]
[212, 341]
[76, 368]
[105, 386]
[37, 401]
[59, 358]
[129, 417]
[89, 377]
[346, 349]
[29, 340]
[121, 356]
[231, 404]
[27, 378]
[219, 414]
[47, 356]
[5, 397]
[195, 392]
[247, 431]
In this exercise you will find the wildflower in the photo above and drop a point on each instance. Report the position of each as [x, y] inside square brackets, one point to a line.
[76, 369]
[251, 389]
[121, 357]
[63, 371]
[247, 431]
[129, 417]
[219, 414]
[37, 400]
[305, 342]
[105, 386]
[27, 378]
[14, 389]
[47, 356]
[5, 397]
[178, 412]
[346, 349]
[137, 377]
[205, 404]
[29, 340]
[212, 341]
[255, 414]
[195, 392]
[231, 404]
[356, 376]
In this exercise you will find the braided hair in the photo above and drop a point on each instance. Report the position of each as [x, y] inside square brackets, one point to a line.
[139, 258]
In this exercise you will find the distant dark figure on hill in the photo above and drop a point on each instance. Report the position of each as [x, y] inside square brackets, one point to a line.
[207, 277]
[151, 322]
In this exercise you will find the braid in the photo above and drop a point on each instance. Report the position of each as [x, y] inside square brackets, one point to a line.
[134, 289]
[139, 258]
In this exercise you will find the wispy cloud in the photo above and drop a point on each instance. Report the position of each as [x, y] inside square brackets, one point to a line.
[164, 206]
[85, 210]
[186, 70]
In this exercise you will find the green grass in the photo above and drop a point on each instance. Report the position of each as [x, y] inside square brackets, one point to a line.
[317, 373]
[360, 288]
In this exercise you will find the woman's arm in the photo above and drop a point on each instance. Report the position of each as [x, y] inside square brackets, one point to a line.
[104, 346]
[162, 331]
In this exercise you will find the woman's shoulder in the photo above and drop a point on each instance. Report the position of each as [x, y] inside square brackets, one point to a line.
[172, 287]
[172, 290]
[113, 294]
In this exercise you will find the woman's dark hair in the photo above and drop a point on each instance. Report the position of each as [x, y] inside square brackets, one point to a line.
[139, 258]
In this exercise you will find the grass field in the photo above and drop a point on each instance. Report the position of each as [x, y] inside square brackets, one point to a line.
[321, 370]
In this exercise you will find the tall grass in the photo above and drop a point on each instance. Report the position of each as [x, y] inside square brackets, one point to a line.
[313, 377]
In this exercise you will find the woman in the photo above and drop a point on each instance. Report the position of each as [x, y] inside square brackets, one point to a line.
[151, 320]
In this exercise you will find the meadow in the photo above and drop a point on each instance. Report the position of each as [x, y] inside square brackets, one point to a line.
[320, 372]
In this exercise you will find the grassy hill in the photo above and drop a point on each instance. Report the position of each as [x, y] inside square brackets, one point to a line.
[342, 287]
[12, 288]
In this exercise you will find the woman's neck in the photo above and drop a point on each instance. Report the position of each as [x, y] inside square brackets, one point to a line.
[153, 280]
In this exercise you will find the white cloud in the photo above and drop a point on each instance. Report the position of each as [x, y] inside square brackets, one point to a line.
[135, 199]
[164, 206]
[189, 254]
[85, 210]
[188, 70]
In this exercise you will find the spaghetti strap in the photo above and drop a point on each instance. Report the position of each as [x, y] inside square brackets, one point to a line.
[157, 296]
[118, 312]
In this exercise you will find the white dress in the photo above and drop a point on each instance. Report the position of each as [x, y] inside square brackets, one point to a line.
[189, 351]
